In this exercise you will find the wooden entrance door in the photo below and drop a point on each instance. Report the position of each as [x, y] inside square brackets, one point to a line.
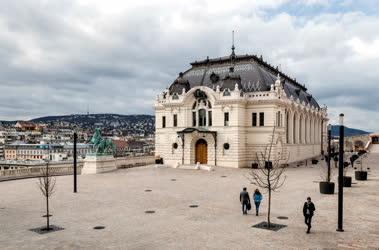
[201, 151]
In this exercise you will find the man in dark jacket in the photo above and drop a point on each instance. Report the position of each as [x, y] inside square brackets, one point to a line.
[308, 211]
[245, 200]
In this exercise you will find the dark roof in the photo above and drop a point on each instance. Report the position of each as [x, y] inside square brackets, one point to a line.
[250, 72]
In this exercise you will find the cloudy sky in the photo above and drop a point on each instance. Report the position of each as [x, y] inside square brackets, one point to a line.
[62, 56]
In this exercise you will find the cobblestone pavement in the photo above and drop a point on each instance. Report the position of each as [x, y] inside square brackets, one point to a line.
[118, 201]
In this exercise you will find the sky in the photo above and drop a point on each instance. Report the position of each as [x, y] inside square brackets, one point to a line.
[66, 56]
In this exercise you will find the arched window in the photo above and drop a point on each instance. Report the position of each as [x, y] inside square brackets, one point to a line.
[301, 129]
[202, 117]
[305, 130]
[287, 128]
[202, 113]
[294, 138]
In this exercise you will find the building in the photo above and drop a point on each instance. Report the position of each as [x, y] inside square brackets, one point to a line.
[24, 151]
[26, 126]
[35, 152]
[225, 111]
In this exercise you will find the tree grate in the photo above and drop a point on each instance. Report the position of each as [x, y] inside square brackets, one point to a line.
[99, 227]
[43, 230]
[282, 217]
[273, 226]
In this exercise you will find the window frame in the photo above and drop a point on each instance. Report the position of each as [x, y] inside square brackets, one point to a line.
[261, 119]
[164, 121]
[254, 119]
[175, 120]
[226, 119]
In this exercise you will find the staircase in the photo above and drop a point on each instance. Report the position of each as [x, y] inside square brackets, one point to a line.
[374, 148]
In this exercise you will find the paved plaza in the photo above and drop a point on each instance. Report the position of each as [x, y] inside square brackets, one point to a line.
[118, 202]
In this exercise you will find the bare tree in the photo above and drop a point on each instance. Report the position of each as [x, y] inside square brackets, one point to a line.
[47, 186]
[271, 166]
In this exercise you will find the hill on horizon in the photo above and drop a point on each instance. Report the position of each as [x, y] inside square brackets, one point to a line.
[348, 131]
[51, 118]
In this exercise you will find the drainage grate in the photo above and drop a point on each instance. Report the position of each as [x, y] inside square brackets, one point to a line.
[282, 217]
[173, 179]
[149, 212]
[223, 176]
[193, 206]
[43, 230]
[148, 190]
[98, 227]
[46, 215]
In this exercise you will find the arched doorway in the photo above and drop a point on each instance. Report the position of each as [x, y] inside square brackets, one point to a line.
[201, 151]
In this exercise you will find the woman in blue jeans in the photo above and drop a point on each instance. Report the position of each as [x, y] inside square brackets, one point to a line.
[257, 200]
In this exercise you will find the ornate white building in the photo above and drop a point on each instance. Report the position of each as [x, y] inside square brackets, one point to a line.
[223, 111]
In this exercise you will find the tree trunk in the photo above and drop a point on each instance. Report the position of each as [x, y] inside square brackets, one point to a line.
[269, 208]
[47, 213]
[269, 199]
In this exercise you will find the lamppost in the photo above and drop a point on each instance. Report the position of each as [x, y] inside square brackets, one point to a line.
[340, 174]
[329, 149]
[75, 163]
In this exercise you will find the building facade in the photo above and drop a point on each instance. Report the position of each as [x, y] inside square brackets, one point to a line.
[39, 152]
[225, 111]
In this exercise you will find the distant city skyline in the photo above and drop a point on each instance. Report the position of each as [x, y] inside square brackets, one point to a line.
[68, 57]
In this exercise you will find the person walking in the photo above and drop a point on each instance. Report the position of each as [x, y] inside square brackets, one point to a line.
[308, 211]
[257, 200]
[245, 200]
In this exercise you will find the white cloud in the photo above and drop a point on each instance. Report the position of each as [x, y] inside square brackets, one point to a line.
[117, 55]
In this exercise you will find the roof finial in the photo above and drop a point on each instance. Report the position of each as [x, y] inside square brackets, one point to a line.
[233, 48]
[233, 55]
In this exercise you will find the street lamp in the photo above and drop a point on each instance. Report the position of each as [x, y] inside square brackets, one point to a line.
[75, 163]
[340, 174]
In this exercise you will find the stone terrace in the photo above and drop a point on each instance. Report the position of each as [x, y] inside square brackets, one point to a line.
[118, 201]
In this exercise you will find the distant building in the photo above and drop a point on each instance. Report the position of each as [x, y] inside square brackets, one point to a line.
[23, 151]
[26, 126]
[224, 111]
[54, 152]
[121, 147]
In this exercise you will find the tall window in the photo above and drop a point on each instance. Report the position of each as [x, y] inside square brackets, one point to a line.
[261, 119]
[287, 127]
[175, 120]
[202, 117]
[301, 130]
[294, 125]
[201, 113]
[254, 120]
[278, 122]
[226, 119]
[163, 121]
[194, 119]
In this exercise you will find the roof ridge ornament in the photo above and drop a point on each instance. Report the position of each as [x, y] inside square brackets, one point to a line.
[233, 55]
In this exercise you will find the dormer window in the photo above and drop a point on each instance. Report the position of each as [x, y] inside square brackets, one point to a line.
[175, 97]
[226, 92]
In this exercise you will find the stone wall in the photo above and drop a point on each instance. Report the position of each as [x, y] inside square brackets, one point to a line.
[66, 168]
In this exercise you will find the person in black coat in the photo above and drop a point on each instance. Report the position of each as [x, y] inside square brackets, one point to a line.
[308, 211]
[245, 200]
